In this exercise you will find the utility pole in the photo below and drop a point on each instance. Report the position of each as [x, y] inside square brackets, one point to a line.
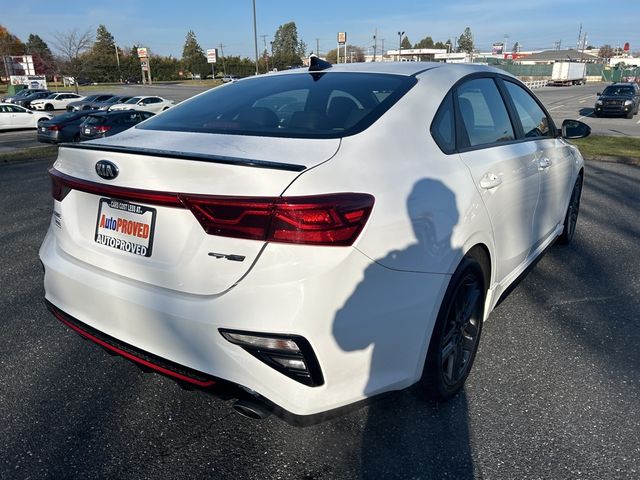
[318, 47]
[579, 38]
[382, 48]
[400, 34]
[375, 44]
[224, 68]
[255, 35]
[266, 54]
[504, 45]
[118, 62]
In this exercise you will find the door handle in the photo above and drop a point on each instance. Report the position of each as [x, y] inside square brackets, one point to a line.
[490, 180]
[544, 163]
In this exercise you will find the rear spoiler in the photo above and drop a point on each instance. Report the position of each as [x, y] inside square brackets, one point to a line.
[199, 157]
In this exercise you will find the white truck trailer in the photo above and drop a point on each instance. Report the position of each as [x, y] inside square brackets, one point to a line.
[568, 73]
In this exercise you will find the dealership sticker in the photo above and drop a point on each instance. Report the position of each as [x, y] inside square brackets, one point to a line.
[125, 226]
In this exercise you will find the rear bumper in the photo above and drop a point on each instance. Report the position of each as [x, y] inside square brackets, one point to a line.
[369, 326]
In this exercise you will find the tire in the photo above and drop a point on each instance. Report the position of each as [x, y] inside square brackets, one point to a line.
[571, 217]
[456, 334]
[76, 138]
[48, 107]
[630, 114]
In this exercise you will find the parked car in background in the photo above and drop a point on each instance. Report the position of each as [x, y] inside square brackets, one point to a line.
[145, 103]
[56, 101]
[115, 100]
[25, 101]
[347, 248]
[86, 102]
[619, 99]
[62, 128]
[105, 124]
[14, 116]
[229, 78]
[22, 93]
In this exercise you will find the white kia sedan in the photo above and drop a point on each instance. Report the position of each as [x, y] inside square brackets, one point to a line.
[144, 103]
[55, 101]
[13, 117]
[314, 236]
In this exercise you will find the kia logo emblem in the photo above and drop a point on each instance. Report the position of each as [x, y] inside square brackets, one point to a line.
[107, 170]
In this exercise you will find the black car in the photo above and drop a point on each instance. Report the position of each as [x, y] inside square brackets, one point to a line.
[87, 102]
[619, 99]
[25, 101]
[115, 100]
[23, 93]
[62, 128]
[98, 125]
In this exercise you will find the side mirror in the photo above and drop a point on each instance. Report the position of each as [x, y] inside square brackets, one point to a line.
[598, 94]
[572, 129]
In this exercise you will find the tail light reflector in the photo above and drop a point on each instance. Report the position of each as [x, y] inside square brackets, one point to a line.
[103, 128]
[55, 128]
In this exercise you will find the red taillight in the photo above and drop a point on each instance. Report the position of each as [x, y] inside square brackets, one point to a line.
[103, 128]
[55, 128]
[332, 219]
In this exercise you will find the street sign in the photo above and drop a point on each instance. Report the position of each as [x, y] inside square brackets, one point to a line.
[342, 37]
[143, 53]
[212, 55]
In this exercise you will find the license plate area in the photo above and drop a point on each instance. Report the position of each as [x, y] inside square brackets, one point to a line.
[125, 226]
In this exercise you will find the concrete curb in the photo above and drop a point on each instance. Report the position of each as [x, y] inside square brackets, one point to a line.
[614, 159]
[29, 154]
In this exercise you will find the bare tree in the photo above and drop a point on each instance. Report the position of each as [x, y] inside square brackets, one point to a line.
[72, 47]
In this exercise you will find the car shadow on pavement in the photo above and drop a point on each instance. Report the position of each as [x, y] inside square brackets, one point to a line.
[406, 436]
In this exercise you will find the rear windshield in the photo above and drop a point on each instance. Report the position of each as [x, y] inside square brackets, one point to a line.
[309, 105]
[94, 120]
[65, 117]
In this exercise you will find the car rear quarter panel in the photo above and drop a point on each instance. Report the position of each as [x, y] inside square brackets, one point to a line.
[428, 212]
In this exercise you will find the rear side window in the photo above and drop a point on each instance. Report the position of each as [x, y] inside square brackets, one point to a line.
[308, 105]
[443, 126]
[484, 114]
[533, 119]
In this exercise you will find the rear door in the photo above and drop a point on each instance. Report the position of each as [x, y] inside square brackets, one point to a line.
[503, 172]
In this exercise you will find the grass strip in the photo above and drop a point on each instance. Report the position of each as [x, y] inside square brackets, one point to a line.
[25, 154]
[598, 147]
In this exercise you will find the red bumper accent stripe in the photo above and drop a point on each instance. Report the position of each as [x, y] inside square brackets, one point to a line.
[153, 366]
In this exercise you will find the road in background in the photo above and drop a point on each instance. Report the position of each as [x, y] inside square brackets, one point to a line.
[577, 103]
[553, 394]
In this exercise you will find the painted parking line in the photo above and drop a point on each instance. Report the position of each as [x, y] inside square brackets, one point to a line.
[559, 106]
[638, 122]
[582, 101]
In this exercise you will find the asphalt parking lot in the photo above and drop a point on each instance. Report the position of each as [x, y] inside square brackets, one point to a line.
[553, 395]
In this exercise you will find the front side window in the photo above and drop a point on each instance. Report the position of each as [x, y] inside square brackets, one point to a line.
[533, 119]
[307, 105]
[484, 114]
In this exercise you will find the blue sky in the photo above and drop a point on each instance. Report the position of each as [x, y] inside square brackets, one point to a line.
[162, 25]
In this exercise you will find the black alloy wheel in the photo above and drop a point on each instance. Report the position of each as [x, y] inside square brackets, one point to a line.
[571, 217]
[456, 335]
[48, 107]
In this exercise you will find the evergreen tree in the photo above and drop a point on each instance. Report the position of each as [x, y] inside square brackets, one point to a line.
[104, 64]
[288, 51]
[405, 43]
[516, 47]
[43, 60]
[194, 61]
[426, 42]
[465, 42]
